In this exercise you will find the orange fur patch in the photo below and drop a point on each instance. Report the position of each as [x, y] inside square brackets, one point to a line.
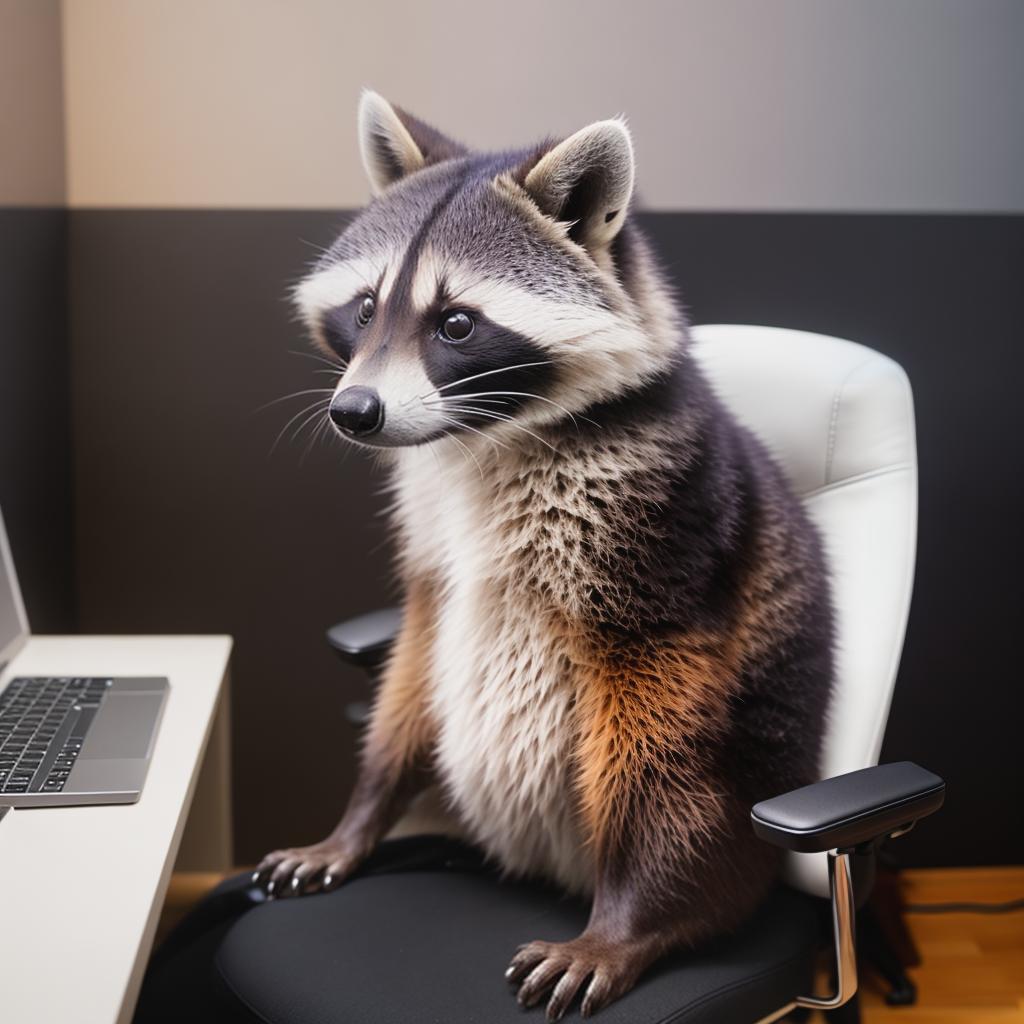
[401, 728]
[648, 709]
[645, 709]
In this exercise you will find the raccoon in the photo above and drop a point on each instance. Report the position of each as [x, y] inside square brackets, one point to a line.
[617, 632]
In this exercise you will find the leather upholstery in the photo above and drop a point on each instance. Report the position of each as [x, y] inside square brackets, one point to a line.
[431, 945]
[849, 810]
[840, 419]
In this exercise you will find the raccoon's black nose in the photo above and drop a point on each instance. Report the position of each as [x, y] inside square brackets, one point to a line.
[358, 411]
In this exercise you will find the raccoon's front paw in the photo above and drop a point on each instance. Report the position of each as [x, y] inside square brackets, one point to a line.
[563, 967]
[302, 870]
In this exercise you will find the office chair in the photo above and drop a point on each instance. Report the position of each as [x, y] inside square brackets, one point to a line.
[431, 944]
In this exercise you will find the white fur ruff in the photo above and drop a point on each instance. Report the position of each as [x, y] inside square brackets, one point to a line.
[500, 686]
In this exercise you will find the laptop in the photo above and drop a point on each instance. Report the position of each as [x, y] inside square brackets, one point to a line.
[69, 739]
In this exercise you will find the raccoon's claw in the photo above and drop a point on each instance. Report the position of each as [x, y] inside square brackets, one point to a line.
[563, 968]
[304, 870]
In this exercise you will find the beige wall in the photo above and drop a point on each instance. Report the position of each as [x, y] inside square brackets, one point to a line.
[31, 114]
[735, 104]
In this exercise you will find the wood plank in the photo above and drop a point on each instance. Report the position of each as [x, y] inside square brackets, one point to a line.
[973, 964]
[988, 885]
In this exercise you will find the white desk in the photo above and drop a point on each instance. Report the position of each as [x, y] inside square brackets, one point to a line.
[81, 887]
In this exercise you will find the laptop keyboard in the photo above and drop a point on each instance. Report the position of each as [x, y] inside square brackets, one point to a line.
[42, 729]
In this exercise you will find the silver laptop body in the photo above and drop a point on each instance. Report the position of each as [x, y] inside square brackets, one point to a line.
[69, 740]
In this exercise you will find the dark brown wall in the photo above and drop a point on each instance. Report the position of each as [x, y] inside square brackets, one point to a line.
[942, 296]
[187, 522]
[35, 451]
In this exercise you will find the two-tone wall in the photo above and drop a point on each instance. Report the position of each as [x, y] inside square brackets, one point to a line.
[855, 169]
[35, 417]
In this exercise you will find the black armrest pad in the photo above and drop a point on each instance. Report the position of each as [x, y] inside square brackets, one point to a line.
[366, 640]
[848, 810]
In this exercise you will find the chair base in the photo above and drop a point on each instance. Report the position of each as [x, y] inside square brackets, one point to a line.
[877, 951]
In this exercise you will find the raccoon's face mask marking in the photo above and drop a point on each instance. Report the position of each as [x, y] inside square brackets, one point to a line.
[417, 371]
[478, 294]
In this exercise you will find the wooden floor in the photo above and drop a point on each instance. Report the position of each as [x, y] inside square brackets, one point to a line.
[973, 964]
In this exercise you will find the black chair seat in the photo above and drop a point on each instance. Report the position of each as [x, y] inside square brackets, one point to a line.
[432, 946]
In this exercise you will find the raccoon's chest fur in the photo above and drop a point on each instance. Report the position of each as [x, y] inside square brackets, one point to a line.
[501, 687]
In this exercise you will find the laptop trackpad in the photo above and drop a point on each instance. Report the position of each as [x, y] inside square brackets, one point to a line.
[123, 726]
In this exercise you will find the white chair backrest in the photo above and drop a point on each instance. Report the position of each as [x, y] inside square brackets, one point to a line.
[839, 417]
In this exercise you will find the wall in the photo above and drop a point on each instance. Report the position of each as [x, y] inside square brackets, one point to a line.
[35, 452]
[736, 104]
[191, 520]
[856, 169]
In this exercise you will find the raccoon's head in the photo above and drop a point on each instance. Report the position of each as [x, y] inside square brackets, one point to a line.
[484, 293]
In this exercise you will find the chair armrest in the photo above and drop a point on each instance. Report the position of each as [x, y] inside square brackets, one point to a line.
[848, 810]
[366, 639]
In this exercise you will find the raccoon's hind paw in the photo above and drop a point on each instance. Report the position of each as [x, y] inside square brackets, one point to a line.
[562, 968]
[303, 870]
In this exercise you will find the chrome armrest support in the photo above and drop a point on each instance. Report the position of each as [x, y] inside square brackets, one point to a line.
[843, 935]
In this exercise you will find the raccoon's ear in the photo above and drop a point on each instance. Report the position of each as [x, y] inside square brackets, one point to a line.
[587, 180]
[394, 144]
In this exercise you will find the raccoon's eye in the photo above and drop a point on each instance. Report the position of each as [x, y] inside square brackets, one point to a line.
[457, 327]
[366, 310]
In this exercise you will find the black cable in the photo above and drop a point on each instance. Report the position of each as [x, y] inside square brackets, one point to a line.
[965, 908]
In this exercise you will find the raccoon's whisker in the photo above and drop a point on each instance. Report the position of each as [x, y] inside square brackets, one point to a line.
[311, 418]
[469, 451]
[340, 363]
[486, 437]
[465, 448]
[437, 459]
[311, 414]
[315, 246]
[466, 426]
[294, 394]
[309, 443]
[323, 403]
[484, 414]
[489, 413]
[486, 373]
[317, 435]
[334, 438]
[540, 398]
[501, 417]
[449, 436]
[330, 435]
[469, 409]
[440, 399]
[478, 411]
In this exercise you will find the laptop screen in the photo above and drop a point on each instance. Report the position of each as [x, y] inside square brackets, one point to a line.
[13, 625]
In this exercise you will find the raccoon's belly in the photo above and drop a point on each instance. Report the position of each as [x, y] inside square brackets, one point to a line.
[502, 696]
